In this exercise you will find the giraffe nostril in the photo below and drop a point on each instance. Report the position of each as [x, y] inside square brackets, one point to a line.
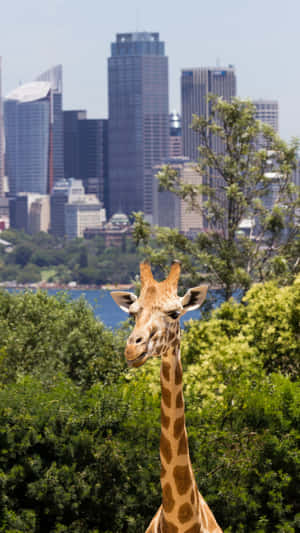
[138, 340]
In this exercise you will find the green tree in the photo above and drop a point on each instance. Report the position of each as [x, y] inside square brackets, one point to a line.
[245, 452]
[23, 254]
[44, 336]
[235, 185]
[9, 272]
[83, 257]
[29, 274]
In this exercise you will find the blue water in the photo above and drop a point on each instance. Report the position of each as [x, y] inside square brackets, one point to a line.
[104, 307]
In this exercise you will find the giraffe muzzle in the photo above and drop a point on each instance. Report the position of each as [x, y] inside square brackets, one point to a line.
[139, 361]
[135, 353]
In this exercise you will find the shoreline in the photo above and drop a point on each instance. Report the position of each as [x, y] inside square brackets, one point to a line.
[65, 286]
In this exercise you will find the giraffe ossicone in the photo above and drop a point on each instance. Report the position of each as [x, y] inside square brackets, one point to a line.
[156, 333]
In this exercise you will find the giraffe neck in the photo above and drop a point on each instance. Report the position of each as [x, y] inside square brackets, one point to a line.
[179, 489]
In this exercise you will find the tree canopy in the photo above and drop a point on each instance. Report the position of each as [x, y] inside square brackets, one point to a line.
[42, 257]
[250, 177]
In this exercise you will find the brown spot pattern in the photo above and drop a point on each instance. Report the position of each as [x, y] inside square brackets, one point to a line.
[168, 500]
[185, 513]
[166, 395]
[182, 479]
[171, 337]
[193, 529]
[182, 446]
[178, 427]
[179, 400]
[192, 497]
[162, 471]
[166, 370]
[168, 527]
[165, 420]
[175, 346]
[178, 374]
[165, 448]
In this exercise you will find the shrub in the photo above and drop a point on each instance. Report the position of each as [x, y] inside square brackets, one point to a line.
[43, 335]
[74, 461]
[244, 340]
[246, 454]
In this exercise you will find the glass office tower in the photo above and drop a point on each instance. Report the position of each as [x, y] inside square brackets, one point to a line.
[27, 112]
[138, 119]
[85, 147]
[55, 77]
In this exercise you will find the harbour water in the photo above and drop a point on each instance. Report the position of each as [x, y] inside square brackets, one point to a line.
[104, 307]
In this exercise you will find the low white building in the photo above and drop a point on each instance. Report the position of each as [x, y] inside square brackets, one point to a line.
[83, 212]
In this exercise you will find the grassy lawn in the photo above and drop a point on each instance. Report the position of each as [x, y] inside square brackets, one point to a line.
[48, 273]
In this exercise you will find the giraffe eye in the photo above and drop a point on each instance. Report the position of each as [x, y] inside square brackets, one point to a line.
[174, 314]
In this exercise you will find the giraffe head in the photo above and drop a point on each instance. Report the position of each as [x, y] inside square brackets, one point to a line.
[156, 312]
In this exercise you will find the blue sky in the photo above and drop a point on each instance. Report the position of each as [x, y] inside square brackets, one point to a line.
[260, 37]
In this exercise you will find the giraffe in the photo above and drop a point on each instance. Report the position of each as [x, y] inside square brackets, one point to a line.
[157, 334]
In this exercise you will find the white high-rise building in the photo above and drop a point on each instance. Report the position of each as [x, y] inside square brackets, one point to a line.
[2, 187]
[196, 85]
[268, 112]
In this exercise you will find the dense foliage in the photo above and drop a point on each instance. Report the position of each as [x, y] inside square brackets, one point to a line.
[42, 335]
[42, 257]
[79, 432]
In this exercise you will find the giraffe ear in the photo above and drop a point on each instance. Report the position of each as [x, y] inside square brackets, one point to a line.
[193, 298]
[123, 299]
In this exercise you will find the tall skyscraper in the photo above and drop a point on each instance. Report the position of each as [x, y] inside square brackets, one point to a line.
[93, 165]
[268, 112]
[55, 77]
[72, 120]
[196, 85]
[86, 152]
[1, 136]
[27, 119]
[33, 120]
[138, 119]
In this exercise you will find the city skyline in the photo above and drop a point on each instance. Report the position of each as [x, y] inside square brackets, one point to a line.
[257, 39]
